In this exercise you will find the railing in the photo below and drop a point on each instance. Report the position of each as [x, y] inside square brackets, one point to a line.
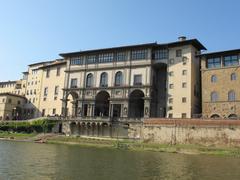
[97, 119]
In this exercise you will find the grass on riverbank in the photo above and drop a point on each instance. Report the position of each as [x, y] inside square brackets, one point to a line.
[16, 136]
[144, 146]
[123, 144]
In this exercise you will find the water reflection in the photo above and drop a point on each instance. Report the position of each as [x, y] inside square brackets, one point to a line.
[42, 161]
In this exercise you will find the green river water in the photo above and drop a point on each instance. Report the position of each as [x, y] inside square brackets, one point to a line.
[31, 161]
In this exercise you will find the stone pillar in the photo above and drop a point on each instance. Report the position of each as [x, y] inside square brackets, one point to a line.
[66, 128]
[146, 108]
[110, 109]
[80, 109]
[93, 110]
[73, 109]
[124, 109]
[89, 110]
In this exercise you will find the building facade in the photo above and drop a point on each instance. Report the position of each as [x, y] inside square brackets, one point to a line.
[220, 84]
[171, 80]
[51, 88]
[147, 80]
[11, 106]
[14, 87]
[42, 81]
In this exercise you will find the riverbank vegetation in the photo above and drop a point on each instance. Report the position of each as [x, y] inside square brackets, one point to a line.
[26, 127]
[121, 144]
[133, 145]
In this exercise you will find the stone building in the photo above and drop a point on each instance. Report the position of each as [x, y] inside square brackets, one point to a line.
[51, 88]
[11, 106]
[14, 87]
[146, 80]
[42, 79]
[220, 84]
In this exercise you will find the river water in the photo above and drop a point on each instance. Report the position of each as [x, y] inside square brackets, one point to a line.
[23, 161]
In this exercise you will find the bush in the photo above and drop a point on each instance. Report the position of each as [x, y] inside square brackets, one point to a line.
[38, 126]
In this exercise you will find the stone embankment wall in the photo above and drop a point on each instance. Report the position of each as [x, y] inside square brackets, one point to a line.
[164, 131]
[185, 131]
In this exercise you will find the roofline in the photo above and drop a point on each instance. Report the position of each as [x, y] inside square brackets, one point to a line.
[52, 65]
[219, 53]
[11, 94]
[8, 82]
[194, 42]
[43, 62]
[108, 49]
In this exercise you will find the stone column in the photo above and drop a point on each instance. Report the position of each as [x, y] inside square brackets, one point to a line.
[89, 110]
[93, 110]
[146, 108]
[110, 109]
[80, 109]
[124, 110]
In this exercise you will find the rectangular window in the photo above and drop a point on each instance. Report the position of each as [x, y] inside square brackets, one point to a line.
[77, 61]
[139, 54]
[48, 73]
[171, 61]
[184, 72]
[231, 61]
[45, 91]
[56, 90]
[178, 53]
[184, 60]
[184, 115]
[170, 100]
[171, 86]
[138, 79]
[160, 54]
[58, 71]
[54, 111]
[170, 115]
[184, 100]
[91, 59]
[74, 83]
[34, 71]
[214, 62]
[184, 85]
[171, 73]
[105, 58]
[121, 56]
[43, 112]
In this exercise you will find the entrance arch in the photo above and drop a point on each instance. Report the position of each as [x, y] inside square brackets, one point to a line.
[102, 104]
[232, 116]
[215, 116]
[72, 104]
[136, 104]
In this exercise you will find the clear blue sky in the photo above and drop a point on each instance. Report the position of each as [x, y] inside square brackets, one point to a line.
[32, 31]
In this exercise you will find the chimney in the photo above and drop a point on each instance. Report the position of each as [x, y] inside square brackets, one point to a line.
[182, 38]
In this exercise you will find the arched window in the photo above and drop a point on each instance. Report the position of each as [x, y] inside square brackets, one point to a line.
[118, 78]
[231, 96]
[104, 80]
[214, 96]
[89, 82]
[233, 76]
[213, 78]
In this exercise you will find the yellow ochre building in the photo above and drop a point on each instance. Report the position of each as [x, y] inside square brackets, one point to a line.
[168, 80]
